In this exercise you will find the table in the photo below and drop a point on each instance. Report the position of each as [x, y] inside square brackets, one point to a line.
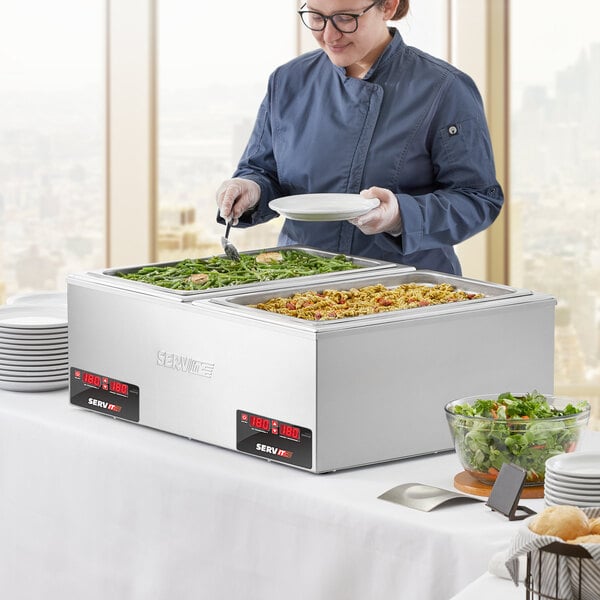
[490, 587]
[97, 508]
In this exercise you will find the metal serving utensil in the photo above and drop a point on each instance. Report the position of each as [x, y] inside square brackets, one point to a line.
[230, 250]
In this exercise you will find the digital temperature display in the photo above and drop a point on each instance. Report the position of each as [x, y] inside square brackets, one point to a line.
[100, 382]
[118, 387]
[261, 423]
[272, 426]
[91, 379]
[289, 431]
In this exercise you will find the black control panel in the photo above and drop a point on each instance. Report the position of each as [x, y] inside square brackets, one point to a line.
[274, 439]
[105, 394]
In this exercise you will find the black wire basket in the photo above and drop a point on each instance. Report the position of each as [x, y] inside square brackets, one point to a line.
[557, 572]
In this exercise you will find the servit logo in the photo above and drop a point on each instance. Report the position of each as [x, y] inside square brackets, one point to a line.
[115, 408]
[184, 364]
[273, 451]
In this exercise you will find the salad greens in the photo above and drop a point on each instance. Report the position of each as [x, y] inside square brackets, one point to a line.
[524, 430]
[219, 271]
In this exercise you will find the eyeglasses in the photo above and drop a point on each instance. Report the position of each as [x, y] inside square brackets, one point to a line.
[343, 22]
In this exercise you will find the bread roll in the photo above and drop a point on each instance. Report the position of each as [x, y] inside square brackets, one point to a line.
[565, 522]
[585, 539]
[595, 525]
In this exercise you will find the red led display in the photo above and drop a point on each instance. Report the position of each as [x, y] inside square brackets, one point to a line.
[118, 387]
[272, 426]
[260, 423]
[289, 431]
[91, 379]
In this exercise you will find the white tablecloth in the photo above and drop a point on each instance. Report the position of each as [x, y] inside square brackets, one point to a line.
[96, 508]
[490, 587]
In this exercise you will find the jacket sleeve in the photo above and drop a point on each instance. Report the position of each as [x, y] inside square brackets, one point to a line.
[466, 198]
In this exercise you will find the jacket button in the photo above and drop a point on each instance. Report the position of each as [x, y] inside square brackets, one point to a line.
[453, 130]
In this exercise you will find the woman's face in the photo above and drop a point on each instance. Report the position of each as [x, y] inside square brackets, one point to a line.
[359, 50]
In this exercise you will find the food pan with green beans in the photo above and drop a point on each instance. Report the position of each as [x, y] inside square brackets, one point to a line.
[220, 271]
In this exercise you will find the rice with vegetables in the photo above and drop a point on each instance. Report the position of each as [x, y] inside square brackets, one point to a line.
[341, 304]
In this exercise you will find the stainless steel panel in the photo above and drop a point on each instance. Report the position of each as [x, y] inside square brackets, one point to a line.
[367, 265]
[381, 390]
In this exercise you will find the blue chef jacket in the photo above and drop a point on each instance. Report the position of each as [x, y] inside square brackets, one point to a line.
[414, 125]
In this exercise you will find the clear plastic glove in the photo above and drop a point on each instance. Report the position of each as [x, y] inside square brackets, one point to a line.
[235, 197]
[385, 218]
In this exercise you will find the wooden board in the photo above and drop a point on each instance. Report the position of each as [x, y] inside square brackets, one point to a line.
[465, 482]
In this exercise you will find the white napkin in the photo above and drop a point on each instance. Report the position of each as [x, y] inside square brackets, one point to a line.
[497, 565]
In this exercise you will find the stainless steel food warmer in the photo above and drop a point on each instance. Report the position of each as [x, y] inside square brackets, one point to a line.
[316, 395]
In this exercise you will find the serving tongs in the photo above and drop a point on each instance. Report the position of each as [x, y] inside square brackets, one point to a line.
[229, 249]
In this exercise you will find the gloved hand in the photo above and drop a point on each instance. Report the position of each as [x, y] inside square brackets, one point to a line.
[384, 218]
[236, 196]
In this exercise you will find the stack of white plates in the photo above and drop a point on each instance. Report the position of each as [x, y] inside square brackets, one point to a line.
[573, 479]
[33, 347]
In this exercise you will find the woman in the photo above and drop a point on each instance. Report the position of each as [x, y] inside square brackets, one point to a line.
[367, 112]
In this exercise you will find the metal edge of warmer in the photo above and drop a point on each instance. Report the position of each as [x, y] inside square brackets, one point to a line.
[239, 303]
[110, 276]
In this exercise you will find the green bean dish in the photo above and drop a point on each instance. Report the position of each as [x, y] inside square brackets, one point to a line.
[219, 271]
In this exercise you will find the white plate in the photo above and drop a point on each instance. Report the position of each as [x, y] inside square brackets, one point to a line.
[33, 338]
[30, 386]
[27, 361]
[46, 376]
[34, 350]
[38, 376]
[551, 499]
[574, 482]
[34, 355]
[32, 317]
[593, 491]
[34, 376]
[323, 207]
[572, 494]
[17, 348]
[575, 464]
[39, 299]
[32, 333]
[19, 369]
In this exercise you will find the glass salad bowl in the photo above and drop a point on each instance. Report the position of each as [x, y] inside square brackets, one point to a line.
[525, 429]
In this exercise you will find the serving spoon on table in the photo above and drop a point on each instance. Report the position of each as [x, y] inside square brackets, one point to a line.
[229, 249]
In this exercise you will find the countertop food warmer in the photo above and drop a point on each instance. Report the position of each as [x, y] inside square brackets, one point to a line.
[316, 395]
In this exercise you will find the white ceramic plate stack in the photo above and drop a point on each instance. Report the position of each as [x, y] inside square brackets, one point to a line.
[573, 479]
[33, 347]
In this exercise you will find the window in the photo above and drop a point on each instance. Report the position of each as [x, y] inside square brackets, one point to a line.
[426, 27]
[51, 142]
[212, 76]
[554, 200]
